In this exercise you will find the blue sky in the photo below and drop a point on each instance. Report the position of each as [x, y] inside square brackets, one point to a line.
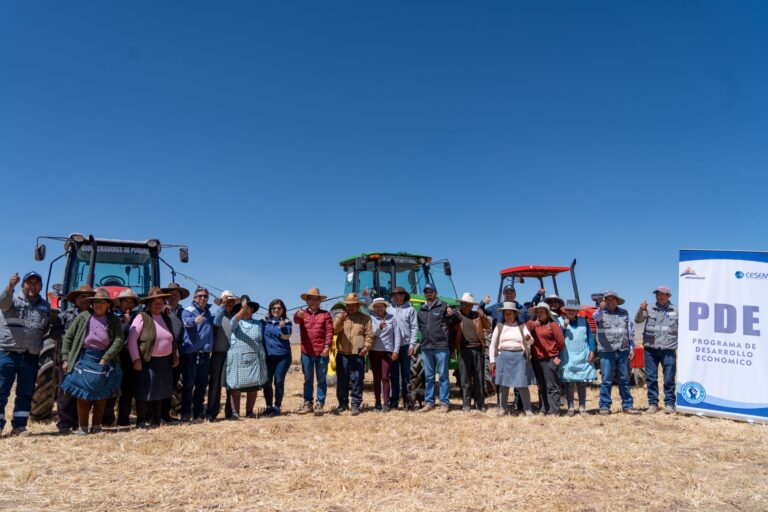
[275, 138]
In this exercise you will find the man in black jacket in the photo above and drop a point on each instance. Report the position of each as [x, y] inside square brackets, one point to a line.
[434, 318]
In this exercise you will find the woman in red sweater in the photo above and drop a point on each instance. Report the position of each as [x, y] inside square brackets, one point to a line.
[548, 342]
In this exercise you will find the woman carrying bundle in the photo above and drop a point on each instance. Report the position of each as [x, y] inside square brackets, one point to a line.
[509, 353]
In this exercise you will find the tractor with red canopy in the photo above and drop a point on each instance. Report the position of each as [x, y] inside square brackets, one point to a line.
[541, 273]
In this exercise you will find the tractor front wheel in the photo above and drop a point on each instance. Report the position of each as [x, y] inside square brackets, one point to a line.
[47, 385]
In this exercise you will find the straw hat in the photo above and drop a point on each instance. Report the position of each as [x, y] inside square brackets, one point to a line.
[127, 294]
[225, 295]
[468, 298]
[101, 294]
[176, 287]
[379, 300]
[86, 289]
[611, 293]
[352, 298]
[508, 306]
[154, 293]
[400, 289]
[313, 292]
[545, 306]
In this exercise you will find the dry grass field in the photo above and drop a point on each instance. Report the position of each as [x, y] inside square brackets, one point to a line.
[399, 461]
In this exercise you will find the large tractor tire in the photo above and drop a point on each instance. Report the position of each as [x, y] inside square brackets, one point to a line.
[416, 385]
[47, 384]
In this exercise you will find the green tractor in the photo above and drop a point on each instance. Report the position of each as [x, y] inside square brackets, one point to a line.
[376, 274]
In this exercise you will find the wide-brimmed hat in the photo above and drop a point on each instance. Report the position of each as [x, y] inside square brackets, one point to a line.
[554, 298]
[86, 289]
[545, 306]
[101, 294]
[351, 298]
[313, 292]
[251, 304]
[611, 293]
[663, 289]
[378, 300]
[468, 298]
[183, 292]
[127, 294]
[225, 295]
[400, 289]
[154, 293]
[508, 306]
[573, 307]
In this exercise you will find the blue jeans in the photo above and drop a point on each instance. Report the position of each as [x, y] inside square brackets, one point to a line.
[400, 377]
[609, 363]
[436, 359]
[311, 366]
[668, 361]
[194, 381]
[21, 367]
[277, 369]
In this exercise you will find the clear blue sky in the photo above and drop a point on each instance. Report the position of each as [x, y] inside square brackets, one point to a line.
[275, 138]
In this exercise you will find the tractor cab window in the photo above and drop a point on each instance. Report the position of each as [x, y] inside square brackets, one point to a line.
[365, 280]
[441, 280]
[411, 278]
[131, 267]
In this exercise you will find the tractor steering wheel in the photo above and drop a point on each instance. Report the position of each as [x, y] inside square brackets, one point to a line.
[112, 281]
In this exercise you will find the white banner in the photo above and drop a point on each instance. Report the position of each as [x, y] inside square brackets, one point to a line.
[722, 363]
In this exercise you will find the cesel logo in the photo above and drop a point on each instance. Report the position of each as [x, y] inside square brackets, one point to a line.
[751, 275]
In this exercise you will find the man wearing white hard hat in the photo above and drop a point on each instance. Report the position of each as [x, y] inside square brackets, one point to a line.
[660, 344]
[470, 345]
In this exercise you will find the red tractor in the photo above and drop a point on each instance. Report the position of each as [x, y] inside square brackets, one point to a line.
[519, 274]
[112, 264]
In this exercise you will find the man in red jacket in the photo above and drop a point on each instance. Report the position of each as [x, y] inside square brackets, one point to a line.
[316, 328]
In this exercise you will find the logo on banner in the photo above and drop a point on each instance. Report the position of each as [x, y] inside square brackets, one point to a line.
[693, 392]
[751, 275]
[690, 273]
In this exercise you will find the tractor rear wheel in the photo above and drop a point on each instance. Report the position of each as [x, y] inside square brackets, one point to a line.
[47, 385]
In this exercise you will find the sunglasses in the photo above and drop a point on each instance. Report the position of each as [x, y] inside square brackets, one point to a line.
[201, 296]
[274, 308]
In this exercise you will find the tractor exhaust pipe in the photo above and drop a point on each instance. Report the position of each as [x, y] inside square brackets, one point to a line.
[573, 281]
[92, 260]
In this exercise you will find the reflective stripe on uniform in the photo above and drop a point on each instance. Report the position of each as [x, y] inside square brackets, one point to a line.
[21, 414]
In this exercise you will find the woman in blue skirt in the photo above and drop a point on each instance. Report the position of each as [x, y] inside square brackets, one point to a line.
[89, 350]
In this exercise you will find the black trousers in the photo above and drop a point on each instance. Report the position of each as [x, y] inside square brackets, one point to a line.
[149, 411]
[350, 371]
[167, 405]
[66, 405]
[549, 383]
[215, 383]
[472, 375]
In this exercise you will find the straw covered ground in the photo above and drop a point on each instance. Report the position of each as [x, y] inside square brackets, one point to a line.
[401, 461]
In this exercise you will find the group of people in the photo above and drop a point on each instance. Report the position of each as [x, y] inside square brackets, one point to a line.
[114, 352]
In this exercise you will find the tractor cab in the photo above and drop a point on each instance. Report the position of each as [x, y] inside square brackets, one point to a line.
[377, 274]
[112, 264]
